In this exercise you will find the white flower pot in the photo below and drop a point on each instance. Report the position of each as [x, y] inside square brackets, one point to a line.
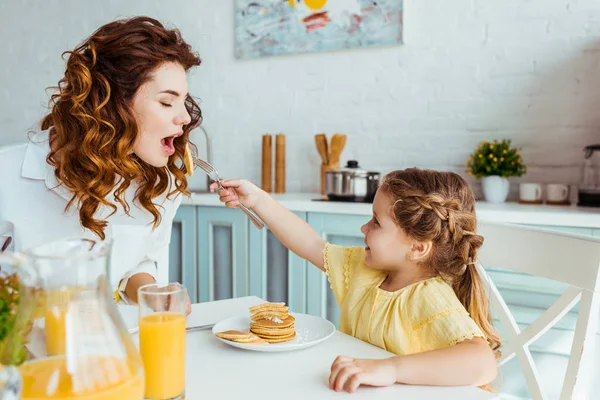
[495, 189]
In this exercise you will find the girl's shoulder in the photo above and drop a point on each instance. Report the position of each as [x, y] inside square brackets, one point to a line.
[431, 299]
[345, 267]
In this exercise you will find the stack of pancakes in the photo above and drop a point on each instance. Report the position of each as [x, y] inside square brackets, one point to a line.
[272, 322]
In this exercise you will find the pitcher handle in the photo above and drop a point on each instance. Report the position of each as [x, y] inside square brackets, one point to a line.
[6, 235]
[10, 383]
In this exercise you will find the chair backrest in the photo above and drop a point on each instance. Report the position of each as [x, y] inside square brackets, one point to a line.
[570, 259]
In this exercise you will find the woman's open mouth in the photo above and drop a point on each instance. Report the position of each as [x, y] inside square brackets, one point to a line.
[167, 144]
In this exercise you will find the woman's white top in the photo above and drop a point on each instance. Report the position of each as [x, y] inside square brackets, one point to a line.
[34, 202]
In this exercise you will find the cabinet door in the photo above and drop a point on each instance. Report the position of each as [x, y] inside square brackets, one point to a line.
[276, 274]
[182, 251]
[340, 229]
[222, 253]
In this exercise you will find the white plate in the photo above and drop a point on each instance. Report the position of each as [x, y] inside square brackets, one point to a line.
[310, 330]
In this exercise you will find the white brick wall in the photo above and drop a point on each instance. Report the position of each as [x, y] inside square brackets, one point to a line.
[469, 70]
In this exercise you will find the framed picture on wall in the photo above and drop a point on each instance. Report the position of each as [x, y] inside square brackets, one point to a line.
[275, 27]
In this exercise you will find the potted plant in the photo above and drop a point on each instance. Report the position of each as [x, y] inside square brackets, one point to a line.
[495, 162]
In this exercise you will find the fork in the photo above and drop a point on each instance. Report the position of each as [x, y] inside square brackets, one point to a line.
[214, 175]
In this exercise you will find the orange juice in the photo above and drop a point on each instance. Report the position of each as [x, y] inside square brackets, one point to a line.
[162, 347]
[95, 378]
[56, 329]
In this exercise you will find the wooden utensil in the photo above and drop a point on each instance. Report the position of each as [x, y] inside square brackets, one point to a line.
[267, 164]
[323, 149]
[338, 141]
[280, 163]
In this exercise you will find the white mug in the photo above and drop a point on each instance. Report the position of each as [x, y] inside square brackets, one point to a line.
[557, 193]
[530, 192]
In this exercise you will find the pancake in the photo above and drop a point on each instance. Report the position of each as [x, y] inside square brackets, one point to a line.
[268, 306]
[261, 332]
[188, 161]
[269, 314]
[270, 324]
[241, 337]
[235, 335]
[279, 339]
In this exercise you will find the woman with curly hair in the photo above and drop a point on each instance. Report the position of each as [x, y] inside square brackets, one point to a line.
[108, 163]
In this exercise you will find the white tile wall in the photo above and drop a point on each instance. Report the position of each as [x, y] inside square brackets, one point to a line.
[469, 70]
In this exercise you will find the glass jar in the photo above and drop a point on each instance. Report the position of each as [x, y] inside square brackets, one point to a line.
[78, 345]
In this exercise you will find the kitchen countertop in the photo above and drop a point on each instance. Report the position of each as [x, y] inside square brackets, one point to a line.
[583, 217]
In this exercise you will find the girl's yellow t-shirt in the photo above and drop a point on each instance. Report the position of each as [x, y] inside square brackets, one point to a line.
[423, 316]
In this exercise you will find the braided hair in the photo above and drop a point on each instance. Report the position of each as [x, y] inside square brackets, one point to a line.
[440, 207]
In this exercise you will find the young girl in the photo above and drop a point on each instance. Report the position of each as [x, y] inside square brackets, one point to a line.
[412, 290]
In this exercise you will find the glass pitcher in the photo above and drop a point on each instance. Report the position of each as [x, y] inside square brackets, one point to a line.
[78, 346]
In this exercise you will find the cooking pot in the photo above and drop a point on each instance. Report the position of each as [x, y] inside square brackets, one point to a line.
[351, 183]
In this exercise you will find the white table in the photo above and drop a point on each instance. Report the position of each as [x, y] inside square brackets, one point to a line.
[215, 370]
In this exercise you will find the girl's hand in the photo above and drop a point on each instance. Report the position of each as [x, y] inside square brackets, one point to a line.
[238, 191]
[349, 373]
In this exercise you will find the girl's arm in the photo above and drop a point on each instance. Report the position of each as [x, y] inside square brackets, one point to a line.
[293, 232]
[468, 363]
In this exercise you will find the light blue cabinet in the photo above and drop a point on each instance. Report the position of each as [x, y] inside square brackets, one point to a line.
[276, 274]
[183, 251]
[222, 242]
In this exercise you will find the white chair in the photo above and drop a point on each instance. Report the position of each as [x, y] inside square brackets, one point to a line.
[570, 259]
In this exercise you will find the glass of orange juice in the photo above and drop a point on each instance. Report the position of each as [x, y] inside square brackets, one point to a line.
[162, 310]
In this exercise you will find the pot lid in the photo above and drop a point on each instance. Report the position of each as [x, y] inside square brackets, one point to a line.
[353, 168]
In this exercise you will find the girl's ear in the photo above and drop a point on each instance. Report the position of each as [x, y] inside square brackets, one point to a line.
[420, 250]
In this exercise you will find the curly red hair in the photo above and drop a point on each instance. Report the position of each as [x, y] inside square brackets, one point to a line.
[92, 125]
